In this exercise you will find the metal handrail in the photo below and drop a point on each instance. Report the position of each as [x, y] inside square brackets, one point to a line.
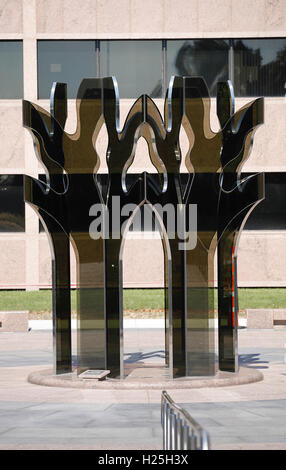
[180, 430]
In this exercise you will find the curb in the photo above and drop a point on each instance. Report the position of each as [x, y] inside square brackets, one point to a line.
[129, 323]
[245, 375]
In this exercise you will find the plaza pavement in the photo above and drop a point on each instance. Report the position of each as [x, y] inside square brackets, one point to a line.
[251, 416]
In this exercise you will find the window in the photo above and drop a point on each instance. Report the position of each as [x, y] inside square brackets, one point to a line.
[12, 206]
[257, 67]
[206, 58]
[11, 70]
[260, 67]
[270, 214]
[67, 62]
[137, 66]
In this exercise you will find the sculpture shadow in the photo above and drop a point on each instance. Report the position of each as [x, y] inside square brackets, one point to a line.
[248, 360]
[141, 357]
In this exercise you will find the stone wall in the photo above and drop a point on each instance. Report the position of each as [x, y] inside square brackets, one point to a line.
[26, 257]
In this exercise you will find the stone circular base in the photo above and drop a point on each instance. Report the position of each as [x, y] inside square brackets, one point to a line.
[147, 378]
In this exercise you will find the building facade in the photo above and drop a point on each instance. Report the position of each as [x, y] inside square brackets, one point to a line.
[142, 43]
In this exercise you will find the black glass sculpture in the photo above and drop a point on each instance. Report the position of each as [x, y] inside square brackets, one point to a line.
[72, 196]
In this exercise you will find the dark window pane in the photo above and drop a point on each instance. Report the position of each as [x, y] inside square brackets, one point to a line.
[207, 58]
[67, 62]
[137, 66]
[270, 214]
[12, 206]
[11, 70]
[260, 67]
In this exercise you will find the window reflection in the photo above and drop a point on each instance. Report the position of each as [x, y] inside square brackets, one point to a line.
[137, 66]
[260, 67]
[199, 57]
[270, 213]
[67, 62]
[11, 70]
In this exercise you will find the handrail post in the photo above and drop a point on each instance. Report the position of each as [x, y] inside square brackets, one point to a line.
[179, 433]
[173, 430]
[205, 441]
[193, 441]
[165, 425]
[185, 437]
[168, 427]
[180, 430]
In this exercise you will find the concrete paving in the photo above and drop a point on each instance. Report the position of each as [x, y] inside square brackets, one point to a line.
[250, 416]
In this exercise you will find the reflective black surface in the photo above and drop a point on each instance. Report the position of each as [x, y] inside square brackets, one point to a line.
[236, 200]
[45, 200]
[74, 194]
[12, 206]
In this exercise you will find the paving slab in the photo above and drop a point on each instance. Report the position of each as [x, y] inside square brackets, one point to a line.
[246, 416]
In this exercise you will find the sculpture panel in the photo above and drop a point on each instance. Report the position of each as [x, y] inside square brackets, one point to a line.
[72, 195]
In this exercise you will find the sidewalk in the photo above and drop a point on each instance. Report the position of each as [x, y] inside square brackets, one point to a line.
[251, 416]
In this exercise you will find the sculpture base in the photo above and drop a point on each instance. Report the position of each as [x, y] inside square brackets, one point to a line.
[146, 377]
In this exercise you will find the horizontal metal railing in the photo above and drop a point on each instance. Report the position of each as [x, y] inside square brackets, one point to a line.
[180, 430]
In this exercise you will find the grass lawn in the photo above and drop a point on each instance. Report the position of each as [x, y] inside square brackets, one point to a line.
[139, 299]
[262, 298]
